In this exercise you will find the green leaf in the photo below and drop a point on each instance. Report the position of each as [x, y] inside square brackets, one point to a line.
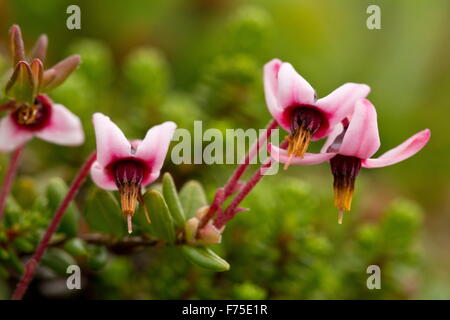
[13, 211]
[98, 257]
[4, 254]
[76, 247]
[56, 191]
[3, 273]
[103, 214]
[192, 197]
[58, 260]
[14, 261]
[161, 220]
[23, 245]
[206, 258]
[172, 200]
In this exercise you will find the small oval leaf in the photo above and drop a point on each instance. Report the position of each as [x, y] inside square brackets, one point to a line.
[103, 214]
[98, 257]
[206, 258]
[161, 220]
[192, 197]
[172, 200]
[76, 247]
[58, 260]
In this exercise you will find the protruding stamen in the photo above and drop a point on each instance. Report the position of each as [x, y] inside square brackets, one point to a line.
[306, 121]
[128, 197]
[345, 169]
[340, 216]
[288, 162]
[130, 223]
[128, 175]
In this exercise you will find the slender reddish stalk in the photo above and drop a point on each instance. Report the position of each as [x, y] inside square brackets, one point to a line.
[229, 186]
[223, 193]
[31, 265]
[7, 106]
[9, 179]
[232, 209]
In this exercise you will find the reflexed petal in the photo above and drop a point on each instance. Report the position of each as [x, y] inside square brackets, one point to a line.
[101, 177]
[153, 149]
[403, 151]
[63, 128]
[337, 130]
[361, 139]
[271, 87]
[16, 44]
[111, 142]
[281, 155]
[292, 88]
[340, 103]
[11, 135]
[61, 71]
[39, 50]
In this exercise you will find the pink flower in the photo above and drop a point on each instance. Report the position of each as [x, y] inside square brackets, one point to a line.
[350, 146]
[34, 114]
[292, 102]
[45, 120]
[125, 165]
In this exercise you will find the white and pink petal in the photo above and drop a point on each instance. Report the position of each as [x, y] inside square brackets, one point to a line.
[402, 152]
[271, 70]
[281, 155]
[111, 142]
[153, 149]
[340, 103]
[361, 139]
[63, 127]
[293, 89]
[102, 177]
[12, 135]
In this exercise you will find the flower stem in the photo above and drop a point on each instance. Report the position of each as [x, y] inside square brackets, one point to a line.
[223, 193]
[31, 265]
[229, 186]
[125, 244]
[7, 106]
[9, 178]
[232, 209]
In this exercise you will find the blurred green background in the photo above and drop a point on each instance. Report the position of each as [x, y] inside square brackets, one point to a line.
[144, 62]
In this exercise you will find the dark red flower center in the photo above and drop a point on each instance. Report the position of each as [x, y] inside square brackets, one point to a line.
[128, 172]
[128, 176]
[306, 118]
[33, 117]
[305, 122]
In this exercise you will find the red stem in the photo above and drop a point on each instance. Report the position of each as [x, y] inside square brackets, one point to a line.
[223, 193]
[231, 211]
[229, 186]
[9, 178]
[7, 106]
[31, 265]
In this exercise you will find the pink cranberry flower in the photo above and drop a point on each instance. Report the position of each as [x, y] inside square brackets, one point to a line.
[349, 147]
[128, 166]
[45, 120]
[32, 113]
[292, 102]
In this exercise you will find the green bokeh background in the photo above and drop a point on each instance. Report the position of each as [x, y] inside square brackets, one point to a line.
[145, 62]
